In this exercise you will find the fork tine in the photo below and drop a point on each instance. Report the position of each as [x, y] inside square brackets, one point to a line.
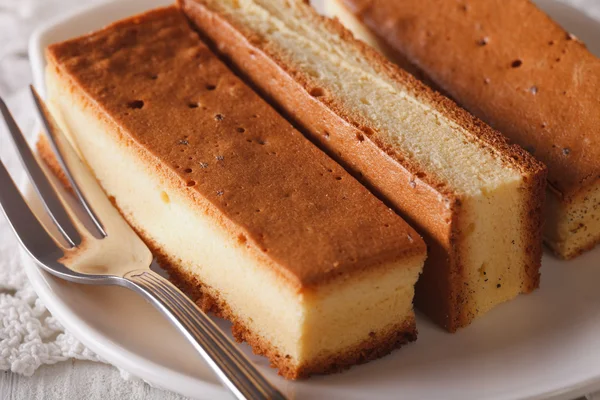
[29, 230]
[40, 181]
[60, 145]
[32, 234]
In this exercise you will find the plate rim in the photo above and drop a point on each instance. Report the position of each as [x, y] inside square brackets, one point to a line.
[154, 374]
[151, 372]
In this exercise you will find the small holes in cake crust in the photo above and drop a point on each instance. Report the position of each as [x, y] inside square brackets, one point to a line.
[566, 151]
[193, 105]
[516, 63]
[360, 137]
[187, 170]
[219, 117]
[317, 92]
[136, 104]
[338, 178]
[482, 270]
[483, 41]
[242, 239]
[240, 130]
[190, 183]
[533, 89]
[210, 87]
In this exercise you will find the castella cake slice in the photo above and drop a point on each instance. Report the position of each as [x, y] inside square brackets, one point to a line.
[511, 65]
[476, 199]
[245, 213]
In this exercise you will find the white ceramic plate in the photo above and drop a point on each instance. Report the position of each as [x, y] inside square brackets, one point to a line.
[544, 345]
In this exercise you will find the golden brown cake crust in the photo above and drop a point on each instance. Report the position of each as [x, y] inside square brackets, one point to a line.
[235, 155]
[535, 221]
[423, 199]
[375, 347]
[533, 81]
[489, 139]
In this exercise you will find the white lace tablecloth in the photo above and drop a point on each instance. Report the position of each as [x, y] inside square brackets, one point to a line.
[29, 336]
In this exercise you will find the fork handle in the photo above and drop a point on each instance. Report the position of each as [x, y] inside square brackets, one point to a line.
[232, 367]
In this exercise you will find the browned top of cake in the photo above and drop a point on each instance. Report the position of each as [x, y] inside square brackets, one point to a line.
[511, 65]
[170, 94]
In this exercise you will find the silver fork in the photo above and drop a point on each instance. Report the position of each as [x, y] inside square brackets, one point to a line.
[97, 246]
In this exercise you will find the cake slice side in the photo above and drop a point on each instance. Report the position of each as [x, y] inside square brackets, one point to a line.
[367, 117]
[573, 224]
[137, 125]
[552, 68]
